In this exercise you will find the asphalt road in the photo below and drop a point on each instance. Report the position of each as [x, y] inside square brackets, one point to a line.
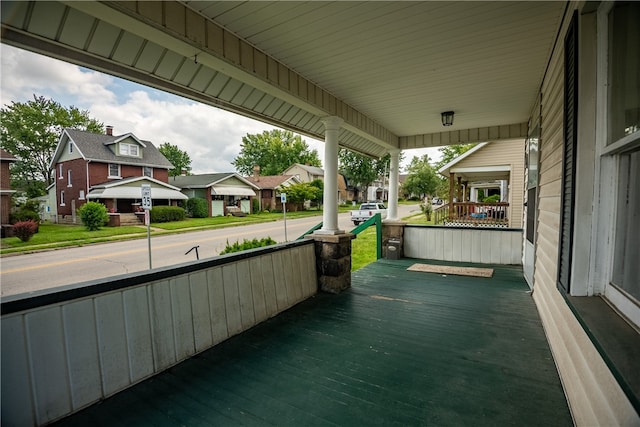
[49, 269]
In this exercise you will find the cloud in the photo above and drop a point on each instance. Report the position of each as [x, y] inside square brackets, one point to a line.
[210, 136]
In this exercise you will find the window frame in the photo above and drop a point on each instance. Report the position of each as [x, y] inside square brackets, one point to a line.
[119, 175]
[62, 198]
[69, 178]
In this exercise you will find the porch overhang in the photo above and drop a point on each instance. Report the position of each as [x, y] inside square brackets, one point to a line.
[232, 191]
[135, 193]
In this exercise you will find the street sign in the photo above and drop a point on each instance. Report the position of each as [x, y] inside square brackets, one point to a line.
[283, 197]
[146, 196]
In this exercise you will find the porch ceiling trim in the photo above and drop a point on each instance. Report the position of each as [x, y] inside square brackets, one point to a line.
[227, 53]
[464, 136]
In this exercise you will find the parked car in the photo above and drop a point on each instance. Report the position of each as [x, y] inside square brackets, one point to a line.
[366, 211]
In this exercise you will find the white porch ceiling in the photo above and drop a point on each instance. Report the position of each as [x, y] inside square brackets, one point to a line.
[388, 68]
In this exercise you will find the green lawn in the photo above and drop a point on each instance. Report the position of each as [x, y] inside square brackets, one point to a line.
[363, 249]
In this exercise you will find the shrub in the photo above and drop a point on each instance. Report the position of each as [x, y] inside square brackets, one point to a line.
[94, 215]
[255, 208]
[28, 211]
[247, 244]
[167, 214]
[492, 199]
[197, 208]
[24, 230]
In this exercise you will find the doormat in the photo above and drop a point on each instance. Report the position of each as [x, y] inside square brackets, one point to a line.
[458, 271]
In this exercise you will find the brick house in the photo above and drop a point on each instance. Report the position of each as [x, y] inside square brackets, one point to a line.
[5, 186]
[268, 185]
[110, 169]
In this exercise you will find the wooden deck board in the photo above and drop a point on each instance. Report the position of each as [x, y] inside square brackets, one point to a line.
[398, 348]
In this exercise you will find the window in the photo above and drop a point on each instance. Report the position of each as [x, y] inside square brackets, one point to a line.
[114, 170]
[624, 137]
[60, 175]
[129, 149]
[147, 171]
[69, 182]
[62, 198]
[81, 196]
[70, 147]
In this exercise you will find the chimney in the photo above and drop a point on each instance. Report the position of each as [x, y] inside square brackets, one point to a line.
[109, 130]
[256, 173]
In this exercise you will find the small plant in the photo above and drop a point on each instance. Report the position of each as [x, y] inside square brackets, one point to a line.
[247, 244]
[24, 230]
[427, 210]
[94, 215]
[492, 199]
[28, 211]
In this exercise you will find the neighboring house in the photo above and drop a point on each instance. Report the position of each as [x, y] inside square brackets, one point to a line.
[90, 166]
[346, 192]
[496, 168]
[225, 192]
[268, 189]
[5, 187]
[305, 173]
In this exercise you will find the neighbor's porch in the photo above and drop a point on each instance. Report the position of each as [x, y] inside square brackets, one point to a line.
[398, 348]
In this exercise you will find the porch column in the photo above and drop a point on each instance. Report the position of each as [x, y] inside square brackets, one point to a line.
[392, 214]
[330, 213]
[452, 186]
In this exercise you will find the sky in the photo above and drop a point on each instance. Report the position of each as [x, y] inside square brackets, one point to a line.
[210, 136]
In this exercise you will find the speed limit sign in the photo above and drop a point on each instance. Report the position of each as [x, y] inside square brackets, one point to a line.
[146, 196]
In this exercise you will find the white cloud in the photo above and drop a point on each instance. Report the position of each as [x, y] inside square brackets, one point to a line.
[209, 135]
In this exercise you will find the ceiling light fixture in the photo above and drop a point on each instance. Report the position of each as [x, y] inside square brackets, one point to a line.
[447, 118]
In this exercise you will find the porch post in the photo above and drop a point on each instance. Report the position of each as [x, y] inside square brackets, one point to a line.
[452, 183]
[393, 186]
[330, 213]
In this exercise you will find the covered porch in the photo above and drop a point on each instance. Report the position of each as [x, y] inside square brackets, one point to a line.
[398, 348]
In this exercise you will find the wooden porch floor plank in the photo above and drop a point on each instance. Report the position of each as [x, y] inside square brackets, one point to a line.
[398, 348]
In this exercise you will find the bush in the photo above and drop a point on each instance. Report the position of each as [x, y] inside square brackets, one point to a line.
[492, 199]
[24, 230]
[197, 208]
[28, 211]
[255, 208]
[247, 244]
[94, 215]
[167, 214]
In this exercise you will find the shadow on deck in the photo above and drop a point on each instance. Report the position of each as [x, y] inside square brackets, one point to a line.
[398, 348]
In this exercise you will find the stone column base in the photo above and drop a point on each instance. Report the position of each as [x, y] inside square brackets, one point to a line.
[333, 261]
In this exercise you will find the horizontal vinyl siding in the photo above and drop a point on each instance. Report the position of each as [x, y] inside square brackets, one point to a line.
[595, 398]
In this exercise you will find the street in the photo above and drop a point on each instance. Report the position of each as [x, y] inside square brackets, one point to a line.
[49, 269]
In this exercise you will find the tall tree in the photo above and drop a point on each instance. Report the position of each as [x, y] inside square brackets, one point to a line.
[361, 170]
[274, 151]
[179, 159]
[422, 178]
[450, 152]
[30, 131]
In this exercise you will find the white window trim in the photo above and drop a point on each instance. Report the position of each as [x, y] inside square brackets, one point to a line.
[81, 195]
[69, 177]
[60, 174]
[119, 171]
[62, 198]
[605, 191]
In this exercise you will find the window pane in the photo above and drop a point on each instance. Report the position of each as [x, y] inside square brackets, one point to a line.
[114, 170]
[626, 268]
[624, 70]
[133, 150]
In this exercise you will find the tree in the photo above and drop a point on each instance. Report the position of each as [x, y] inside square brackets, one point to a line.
[361, 170]
[274, 151]
[450, 152]
[179, 159]
[422, 178]
[30, 131]
[299, 193]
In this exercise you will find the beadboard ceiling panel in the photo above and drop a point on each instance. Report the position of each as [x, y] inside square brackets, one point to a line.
[387, 68]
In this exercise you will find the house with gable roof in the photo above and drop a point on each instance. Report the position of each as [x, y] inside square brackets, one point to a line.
[109, 169]
[268, 189]
[225, 192]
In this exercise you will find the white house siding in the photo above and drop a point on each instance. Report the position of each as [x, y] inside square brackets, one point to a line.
[503, 153]
[594, 396]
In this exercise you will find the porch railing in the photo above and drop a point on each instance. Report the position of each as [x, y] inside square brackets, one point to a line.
[472, 214]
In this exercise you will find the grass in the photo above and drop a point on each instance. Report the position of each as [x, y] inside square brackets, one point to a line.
[56, 236]
[363, 249]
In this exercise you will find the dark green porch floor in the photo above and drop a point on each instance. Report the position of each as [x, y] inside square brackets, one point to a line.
[398, 348]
